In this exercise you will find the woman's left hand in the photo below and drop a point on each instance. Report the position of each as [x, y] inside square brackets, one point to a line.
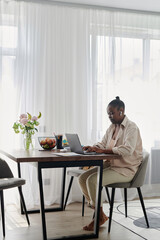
[105, 151]
[98, 150]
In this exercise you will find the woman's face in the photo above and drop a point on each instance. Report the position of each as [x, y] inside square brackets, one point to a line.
[116, 116]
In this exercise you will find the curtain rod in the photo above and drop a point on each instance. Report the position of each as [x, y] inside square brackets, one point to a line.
[91, 6]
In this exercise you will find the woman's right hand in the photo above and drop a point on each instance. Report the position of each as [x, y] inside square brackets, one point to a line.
[88, 148]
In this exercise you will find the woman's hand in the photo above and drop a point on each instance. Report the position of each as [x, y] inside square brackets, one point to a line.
[105, 151]
[88, 148]
[97, 150]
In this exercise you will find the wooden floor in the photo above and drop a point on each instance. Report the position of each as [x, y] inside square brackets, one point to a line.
[59, 224]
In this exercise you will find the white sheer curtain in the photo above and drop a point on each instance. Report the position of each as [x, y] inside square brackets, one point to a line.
[127, 47]
[126, 55]
[51, 75]
[68, 62]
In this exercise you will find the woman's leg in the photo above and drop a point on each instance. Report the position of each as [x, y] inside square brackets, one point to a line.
[83, 182]
[109, 176]
[102, 219]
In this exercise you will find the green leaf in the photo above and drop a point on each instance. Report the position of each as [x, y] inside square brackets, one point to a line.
[29, 116]
[36, 123]
[29, 125]
[40, 114]
[16, 131]
[16, 125]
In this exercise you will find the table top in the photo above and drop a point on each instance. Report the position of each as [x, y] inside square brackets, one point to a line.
[21, 155]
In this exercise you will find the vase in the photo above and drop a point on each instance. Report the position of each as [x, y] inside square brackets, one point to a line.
[28, 141]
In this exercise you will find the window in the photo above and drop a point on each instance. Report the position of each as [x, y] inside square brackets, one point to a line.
[129, 68]
[8, 44]
[155, 60]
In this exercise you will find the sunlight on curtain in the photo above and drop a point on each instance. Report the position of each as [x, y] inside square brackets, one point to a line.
[68, 63]
[135, 79]
[8, 43]
[50, 73]
[8, 91]
[126, 50]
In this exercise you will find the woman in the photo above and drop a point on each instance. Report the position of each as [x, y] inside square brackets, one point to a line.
[122, 138]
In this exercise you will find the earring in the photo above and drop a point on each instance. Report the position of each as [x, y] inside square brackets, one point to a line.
[120, 113]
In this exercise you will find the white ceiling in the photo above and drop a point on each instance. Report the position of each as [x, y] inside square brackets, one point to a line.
[144, 5]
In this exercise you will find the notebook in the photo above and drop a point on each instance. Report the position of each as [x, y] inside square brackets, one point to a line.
[75, 144]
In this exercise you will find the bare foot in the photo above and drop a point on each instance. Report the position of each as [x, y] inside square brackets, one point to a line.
[90, 227]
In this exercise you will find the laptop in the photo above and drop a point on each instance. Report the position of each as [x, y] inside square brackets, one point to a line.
[75, 144]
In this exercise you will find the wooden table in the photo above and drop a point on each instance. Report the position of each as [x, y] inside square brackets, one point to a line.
[47, 159]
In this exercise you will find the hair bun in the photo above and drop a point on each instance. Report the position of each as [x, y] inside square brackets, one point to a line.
[117, 98]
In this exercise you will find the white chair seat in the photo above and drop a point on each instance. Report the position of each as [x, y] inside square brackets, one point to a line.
[75, 172]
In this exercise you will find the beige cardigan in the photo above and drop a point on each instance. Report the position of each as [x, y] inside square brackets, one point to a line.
[128, 145]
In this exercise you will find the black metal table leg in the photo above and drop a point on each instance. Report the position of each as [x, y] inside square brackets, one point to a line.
[2, 212]
[42, 203]
[63, 188]
[19, 175]
[125, 201]
[61, 208]
[83, 205]
[98, 201]
[99, 164]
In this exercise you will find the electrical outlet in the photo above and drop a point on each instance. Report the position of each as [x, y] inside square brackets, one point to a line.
[46, 181]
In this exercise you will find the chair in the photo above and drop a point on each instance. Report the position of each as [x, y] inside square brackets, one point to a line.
[8, 181]
[76, 173]
[136, 182]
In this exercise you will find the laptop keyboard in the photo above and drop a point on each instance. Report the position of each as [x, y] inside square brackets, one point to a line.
[90, 153]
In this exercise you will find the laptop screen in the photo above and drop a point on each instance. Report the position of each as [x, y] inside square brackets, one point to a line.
[74, 143]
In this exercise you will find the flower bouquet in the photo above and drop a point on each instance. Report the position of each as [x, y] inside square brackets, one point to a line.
[27, 125]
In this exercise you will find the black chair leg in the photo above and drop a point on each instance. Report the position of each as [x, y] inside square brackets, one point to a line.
[83, 204]
[23, 204]
[125, 201]
[142, 204]
[2, 212]
[69, 188]
[109, 200]
[111, 209]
